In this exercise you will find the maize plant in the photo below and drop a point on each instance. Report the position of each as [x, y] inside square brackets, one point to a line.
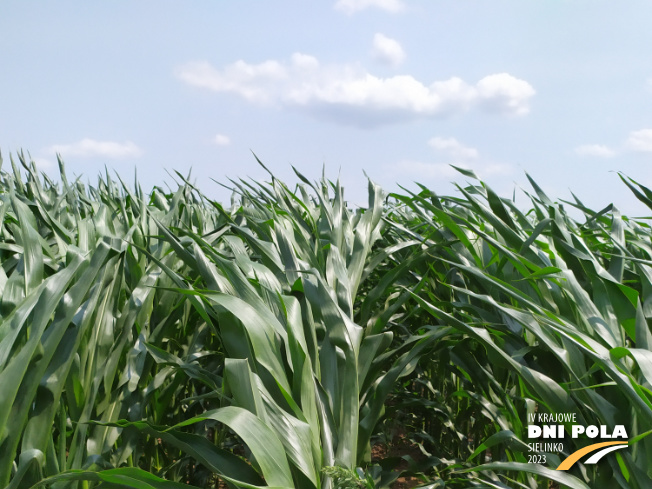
[167, 340]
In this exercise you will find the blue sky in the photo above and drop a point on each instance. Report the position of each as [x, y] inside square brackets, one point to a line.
[397, 89]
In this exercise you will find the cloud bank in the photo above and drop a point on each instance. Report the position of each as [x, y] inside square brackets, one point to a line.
[444, 171]
[453, 148]
[92, 148]
[352, 6]
[453, 153]
[597, 150]
[350, 94]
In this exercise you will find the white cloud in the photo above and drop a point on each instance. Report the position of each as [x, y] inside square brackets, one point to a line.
[640, 141]
[495, 169]
[350, 94]
[429, 170]
[597, 150]
[453, 148]
[43, 164]
[90, 147]
[246, 80]
[304, 61]
[353, 6]
[221, 140]
[387, 50]
[506, 94]
[425, 170]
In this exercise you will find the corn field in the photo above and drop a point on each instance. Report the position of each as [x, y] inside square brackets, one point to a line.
[288, 340]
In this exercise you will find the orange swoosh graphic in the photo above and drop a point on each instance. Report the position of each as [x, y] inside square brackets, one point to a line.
[575, 456]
